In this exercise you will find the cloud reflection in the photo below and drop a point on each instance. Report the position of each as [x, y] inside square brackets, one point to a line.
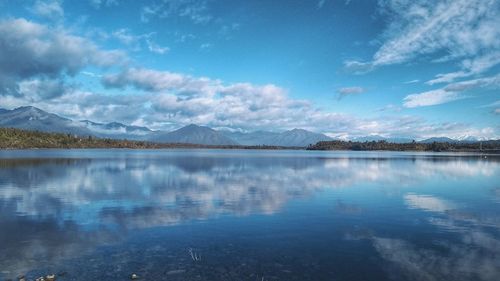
[60, 207]
[475, 256]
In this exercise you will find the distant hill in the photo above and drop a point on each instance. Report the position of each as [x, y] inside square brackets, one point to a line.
[298, 137]
[251, 138]
[192, 134]
[35, 119]
[291, 138]
[380, 138]
[438, 139]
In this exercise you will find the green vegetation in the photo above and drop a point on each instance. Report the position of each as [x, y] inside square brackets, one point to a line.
[485, 146]
[23, 139]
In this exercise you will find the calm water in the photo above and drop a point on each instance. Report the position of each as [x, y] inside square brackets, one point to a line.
[249, 215]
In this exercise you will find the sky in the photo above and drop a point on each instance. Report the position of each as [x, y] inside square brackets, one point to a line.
[394, 68]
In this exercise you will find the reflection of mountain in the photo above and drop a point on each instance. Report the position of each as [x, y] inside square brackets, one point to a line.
[81, 199]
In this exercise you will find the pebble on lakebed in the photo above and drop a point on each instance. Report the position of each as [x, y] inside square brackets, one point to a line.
[50, 277]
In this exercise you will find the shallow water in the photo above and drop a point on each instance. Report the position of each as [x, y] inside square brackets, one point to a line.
[249, 215]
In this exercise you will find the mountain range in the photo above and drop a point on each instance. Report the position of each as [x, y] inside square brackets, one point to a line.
[33, 118]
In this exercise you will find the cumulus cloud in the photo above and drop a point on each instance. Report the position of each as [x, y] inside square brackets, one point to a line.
[167, 100]
[31, 50]
[153, 80]
[347, 91]
[38, 89]
[36, 60]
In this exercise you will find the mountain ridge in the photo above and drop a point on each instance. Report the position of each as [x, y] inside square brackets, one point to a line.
[36, 119]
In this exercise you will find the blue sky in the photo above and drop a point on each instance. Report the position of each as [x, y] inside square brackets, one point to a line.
[345, 68]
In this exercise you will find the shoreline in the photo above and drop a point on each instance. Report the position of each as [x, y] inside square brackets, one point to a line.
[472, 152]
[17, 139]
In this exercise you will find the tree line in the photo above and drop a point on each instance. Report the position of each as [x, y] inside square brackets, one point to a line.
[11, 138]
[485, 146]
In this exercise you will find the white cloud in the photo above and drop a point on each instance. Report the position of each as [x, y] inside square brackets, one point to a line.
[153, 80]
[447, 77]
[125, 36]
[470, 67]
[33, 50]
[461, 28]
[428, 98]
[48, 9]
[449, 93]
[36, 89]
[167, 100]
[155, 48]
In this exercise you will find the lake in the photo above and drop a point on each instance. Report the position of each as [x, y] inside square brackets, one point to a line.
[249, 215]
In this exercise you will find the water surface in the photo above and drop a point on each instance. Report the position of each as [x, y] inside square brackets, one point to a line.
[249, 215]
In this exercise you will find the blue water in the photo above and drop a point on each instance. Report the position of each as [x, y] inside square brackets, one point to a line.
[249, 215]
